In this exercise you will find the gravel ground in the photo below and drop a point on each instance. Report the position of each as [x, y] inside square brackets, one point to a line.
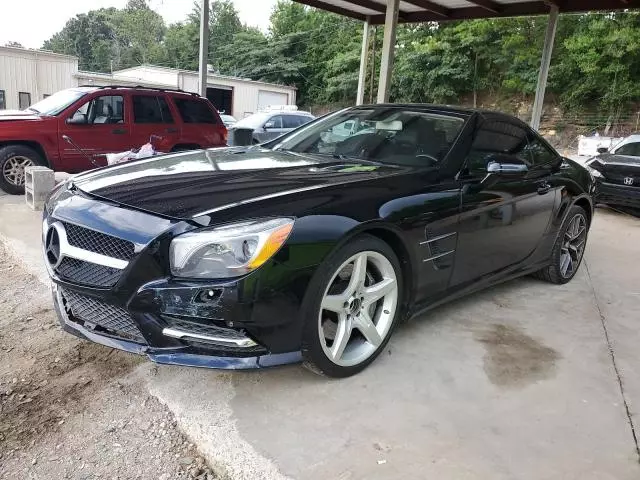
[72, 409]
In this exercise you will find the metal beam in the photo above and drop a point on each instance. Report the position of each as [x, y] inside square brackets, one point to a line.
[487, 5]
[388, 50]
[369, 4]
[430, 7]
[364, 56]
[204, 47]
[333, 9]
[544, 68]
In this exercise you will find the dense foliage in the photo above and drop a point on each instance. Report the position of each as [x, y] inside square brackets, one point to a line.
[596, 59]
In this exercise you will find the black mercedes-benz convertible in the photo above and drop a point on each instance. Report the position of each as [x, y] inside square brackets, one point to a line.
[314, 246]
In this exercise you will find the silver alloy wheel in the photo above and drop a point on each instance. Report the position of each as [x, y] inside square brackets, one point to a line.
[574, 241]
[357, 309]
[13, 169]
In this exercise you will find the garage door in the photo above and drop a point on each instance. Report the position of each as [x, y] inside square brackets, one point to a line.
[267, 98]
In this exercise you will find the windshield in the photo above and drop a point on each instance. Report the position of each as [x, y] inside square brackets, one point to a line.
[254, 121]
[385, 135]
[57, 102]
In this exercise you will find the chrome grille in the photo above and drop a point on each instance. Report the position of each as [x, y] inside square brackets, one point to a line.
[97, 242]
[86, 273]
[115, 320]
[203, 329]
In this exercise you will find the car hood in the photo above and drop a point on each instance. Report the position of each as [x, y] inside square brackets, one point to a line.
[610, 159]
[191, 184]
[6, 115]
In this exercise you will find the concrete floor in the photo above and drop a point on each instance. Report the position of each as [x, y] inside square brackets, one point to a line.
[515, 382]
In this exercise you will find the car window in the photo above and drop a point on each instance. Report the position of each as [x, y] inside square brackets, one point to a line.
[497, 137]
[195, 111]
[107, 109]
[540, 153]
[276, 121]
[151, 109]
[631, 149]
[390, 135]
[291, 121]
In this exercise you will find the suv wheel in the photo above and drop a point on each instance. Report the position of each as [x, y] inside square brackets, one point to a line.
[13, 160]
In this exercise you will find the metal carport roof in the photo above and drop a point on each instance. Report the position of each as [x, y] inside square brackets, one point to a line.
[443, 10]
[391, 12]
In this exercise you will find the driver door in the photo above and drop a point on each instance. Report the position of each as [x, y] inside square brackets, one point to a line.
[100, 126]
[501, 222]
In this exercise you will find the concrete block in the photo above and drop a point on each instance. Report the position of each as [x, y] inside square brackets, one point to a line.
[38, 183]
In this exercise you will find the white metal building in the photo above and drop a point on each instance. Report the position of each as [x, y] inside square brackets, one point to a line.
[27, 76]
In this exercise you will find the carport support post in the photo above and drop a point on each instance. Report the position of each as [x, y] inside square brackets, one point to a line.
[204, 47]
[364, 56]
[388, 50]
[544, 67]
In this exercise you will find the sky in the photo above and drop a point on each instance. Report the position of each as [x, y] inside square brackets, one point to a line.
[18, 24]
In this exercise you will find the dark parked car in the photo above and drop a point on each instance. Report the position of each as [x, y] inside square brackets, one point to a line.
[102, 120]
[269, 125]
[617, 173]
[311, 248]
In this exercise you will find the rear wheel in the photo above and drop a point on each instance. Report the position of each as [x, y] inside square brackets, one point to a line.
[13, 160]
[352, 307]
[568, 251]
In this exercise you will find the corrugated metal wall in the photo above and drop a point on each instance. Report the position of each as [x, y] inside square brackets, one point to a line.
[35, 72]
[245, 92]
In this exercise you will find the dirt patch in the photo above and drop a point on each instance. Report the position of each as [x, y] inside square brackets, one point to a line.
[73, 409]
[514, 359]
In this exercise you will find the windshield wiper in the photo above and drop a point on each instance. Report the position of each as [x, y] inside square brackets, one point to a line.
[353, 159]
[33, 110]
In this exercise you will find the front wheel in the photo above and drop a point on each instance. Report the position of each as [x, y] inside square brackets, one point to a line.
[569, 248]
[351, 308]
[13, 160]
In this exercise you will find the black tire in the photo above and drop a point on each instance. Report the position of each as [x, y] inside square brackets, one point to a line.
[315, 358]
[9, 153]
[553, 273]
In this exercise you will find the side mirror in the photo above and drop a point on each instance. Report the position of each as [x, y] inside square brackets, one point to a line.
[603, 150]
[504, 168]
[78, 119]
[269, 125]
[507, 169]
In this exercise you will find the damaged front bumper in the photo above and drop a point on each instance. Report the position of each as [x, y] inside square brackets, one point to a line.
[249, 355]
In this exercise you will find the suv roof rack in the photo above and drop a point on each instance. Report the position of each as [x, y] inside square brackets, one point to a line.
[142, 87]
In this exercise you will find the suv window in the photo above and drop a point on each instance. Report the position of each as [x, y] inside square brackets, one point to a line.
[151, 109]
[497, 136]
[540, 153]
[106, 109]
[194, 111]
[631, 149]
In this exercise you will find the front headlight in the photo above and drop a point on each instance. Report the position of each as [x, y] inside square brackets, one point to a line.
[228, 251]
[595, 173]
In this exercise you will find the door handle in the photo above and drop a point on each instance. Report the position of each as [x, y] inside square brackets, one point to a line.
[543, 187]
[171, 130]
[119, 131]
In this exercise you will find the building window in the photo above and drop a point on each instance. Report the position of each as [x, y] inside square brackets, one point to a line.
[24, 100]
[3, 103]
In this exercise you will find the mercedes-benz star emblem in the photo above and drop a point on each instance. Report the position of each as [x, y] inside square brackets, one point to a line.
[52, 247]
[628, 180]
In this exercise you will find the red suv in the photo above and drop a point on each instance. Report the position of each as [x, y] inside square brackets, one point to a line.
[102, 120]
